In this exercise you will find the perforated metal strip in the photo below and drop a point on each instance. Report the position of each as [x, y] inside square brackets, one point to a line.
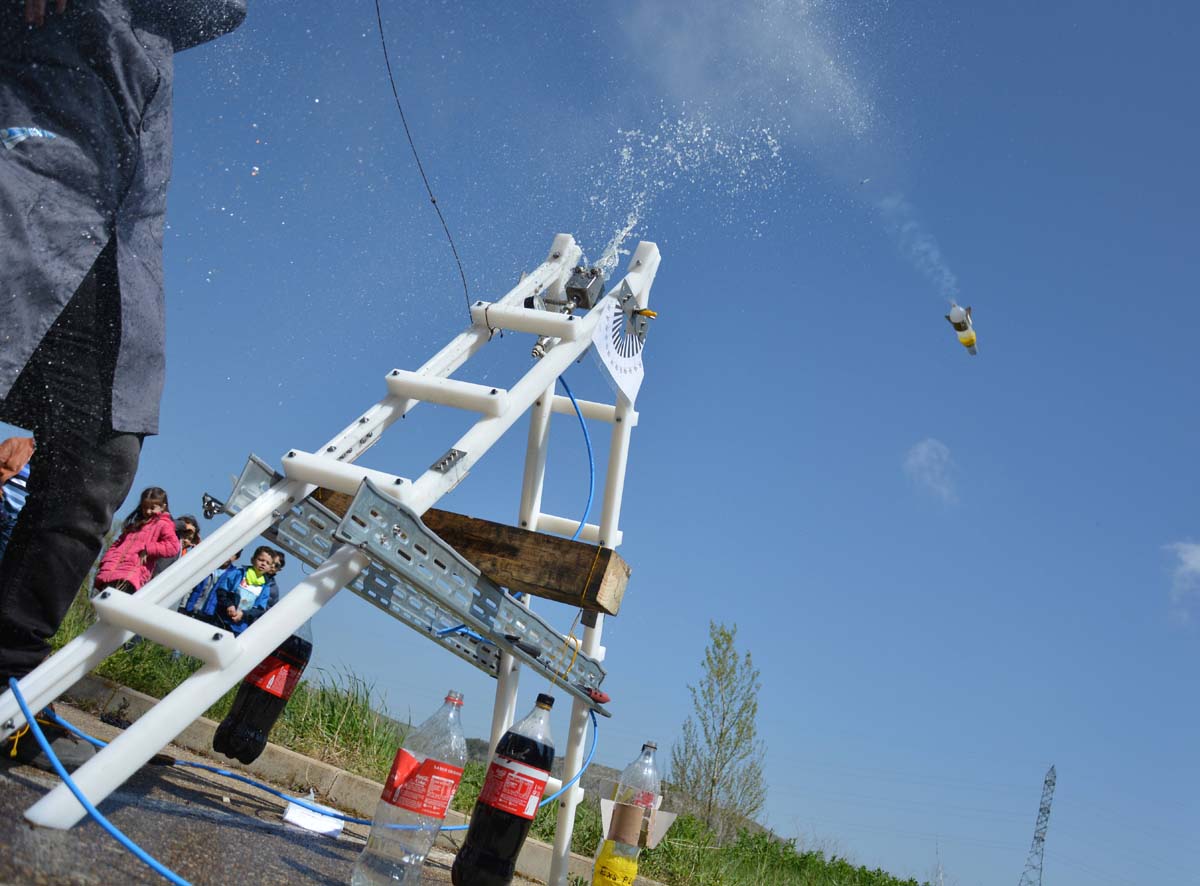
[418, 579]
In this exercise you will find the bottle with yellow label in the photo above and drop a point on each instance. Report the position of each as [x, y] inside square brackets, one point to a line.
[617, 860]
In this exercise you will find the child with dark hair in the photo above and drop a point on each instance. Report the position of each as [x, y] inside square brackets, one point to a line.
[243, 592]
[272, 582]
[147, 534]
[187, 529]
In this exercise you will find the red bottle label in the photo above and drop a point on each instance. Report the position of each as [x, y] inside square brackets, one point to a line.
[644, 799]
[424, 788]
[513, 787]
[276, 677]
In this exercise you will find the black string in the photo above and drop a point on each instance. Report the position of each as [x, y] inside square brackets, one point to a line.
[420, 168]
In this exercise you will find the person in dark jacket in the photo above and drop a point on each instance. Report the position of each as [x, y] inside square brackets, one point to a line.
[187, 529]
[85, 157]
[202, 601]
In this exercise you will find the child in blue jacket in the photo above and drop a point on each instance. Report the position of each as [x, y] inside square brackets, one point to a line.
[201, 603]
[243, 593]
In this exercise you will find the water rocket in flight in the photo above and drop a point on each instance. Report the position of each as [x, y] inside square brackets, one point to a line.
[960, 319]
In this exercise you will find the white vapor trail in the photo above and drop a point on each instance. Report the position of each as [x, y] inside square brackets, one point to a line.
[797, 64]
[1185, 579]
[917, 245]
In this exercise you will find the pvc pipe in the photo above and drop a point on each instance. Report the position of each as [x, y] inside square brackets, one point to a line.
[448, 392]
[134, 747]
[521, 319]
[591, 409]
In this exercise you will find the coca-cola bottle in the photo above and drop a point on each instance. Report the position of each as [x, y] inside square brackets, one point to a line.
[508, 802]
[262, 697]
[424, 777]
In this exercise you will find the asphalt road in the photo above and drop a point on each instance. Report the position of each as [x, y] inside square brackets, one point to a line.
[204, 827]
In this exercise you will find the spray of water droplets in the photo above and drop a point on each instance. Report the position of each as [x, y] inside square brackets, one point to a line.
[690, 154]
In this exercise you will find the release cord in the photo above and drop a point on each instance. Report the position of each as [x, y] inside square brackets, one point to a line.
[420, 168]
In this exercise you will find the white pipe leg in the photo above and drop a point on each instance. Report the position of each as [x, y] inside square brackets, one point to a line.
[74, 661]
[560, 857]
[136, 745]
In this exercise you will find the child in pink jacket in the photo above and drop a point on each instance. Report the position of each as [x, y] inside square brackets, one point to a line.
[148, 533]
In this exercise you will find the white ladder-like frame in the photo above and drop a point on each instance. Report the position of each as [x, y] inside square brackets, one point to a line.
[151, 611]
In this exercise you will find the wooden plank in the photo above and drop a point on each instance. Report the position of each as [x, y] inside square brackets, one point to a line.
[573, 572]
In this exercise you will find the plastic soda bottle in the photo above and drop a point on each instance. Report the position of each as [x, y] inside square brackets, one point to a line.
[425, 775]
[635, 794]
[262, 697]
[503, 814]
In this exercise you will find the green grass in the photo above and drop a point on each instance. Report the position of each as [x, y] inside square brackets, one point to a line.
[334, 720]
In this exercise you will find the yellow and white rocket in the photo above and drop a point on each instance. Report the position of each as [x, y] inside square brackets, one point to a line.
[960, 319]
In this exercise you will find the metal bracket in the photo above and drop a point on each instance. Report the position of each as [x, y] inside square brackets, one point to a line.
[423, 564]
[418, 579]
[211, 506]
[447, 461]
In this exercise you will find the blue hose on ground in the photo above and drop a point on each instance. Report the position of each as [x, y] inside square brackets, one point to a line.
[299, 802]
[155, 865]
[134, 848]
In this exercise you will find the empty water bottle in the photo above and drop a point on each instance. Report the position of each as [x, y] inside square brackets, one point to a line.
[425, 775]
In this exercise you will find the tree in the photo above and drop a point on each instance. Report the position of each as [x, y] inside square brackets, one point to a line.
[717, 763]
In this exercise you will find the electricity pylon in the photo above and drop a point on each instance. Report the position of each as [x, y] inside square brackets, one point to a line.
[1032, 875]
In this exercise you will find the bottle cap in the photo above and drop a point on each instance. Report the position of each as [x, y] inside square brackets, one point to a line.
[454, 697]
[545, 701]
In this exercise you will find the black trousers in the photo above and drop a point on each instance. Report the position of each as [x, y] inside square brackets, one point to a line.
[81, 470]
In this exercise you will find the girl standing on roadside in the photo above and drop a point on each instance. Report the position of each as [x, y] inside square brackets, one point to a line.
[148, 533]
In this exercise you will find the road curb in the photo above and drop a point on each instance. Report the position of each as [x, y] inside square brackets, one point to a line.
[278, 765]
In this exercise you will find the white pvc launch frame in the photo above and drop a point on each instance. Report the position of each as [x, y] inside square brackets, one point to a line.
[152, 613]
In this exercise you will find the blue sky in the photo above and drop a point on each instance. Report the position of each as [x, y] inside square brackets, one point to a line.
[951, 571]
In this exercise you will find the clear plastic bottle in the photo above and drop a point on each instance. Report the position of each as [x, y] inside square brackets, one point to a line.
[640, 783]
[515, 782]
[635, 794]
[425, 775]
